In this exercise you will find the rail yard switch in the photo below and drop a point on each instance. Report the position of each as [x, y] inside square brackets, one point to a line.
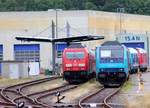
[20, 105]
[59, 98]
[58, 94]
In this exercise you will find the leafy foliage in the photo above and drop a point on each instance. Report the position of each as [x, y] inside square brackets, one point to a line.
[129, 6]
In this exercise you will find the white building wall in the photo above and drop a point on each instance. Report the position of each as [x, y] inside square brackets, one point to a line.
[84, 22]
[38, 24]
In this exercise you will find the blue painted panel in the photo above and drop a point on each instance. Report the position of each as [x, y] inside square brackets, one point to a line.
[28, 47]
[1, 54]
[1, 48]
[135, 45]
[0, 68]
[60, 46]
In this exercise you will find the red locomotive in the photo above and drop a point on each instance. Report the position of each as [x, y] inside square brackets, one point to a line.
[143, 59]
[78, 63]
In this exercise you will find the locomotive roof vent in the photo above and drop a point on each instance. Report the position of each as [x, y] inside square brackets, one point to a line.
[77, 45]
[109, 43]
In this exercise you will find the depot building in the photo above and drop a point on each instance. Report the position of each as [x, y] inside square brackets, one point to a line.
[131, 30]
[135, 41]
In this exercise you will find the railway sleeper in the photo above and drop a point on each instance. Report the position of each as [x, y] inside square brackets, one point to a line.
[92, 104]
[64, 105]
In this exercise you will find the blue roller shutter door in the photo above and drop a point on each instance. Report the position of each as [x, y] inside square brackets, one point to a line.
[27, 52]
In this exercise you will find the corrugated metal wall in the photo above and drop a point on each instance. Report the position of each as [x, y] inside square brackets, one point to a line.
[14, 70]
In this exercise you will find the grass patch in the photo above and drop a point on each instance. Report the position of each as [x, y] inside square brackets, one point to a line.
[92, 80]
[127, 86]
[7, 81]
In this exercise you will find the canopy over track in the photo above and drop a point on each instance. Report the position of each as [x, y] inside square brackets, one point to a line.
[67, 39]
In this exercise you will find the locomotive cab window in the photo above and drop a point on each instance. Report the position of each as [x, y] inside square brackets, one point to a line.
[75, 55]
[105, 53]
[109, 55]
[115, 53]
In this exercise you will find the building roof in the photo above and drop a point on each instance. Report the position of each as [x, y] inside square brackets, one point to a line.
[141, 50]
[109, 43]
[132, 50]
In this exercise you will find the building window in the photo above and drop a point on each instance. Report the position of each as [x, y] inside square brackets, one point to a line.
[59, 54]
[59, 49]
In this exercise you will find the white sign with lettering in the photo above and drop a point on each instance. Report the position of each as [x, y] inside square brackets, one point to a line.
[132, 38]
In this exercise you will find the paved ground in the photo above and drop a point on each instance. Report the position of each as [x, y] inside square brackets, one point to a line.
[135, 86]
[129, 95]
[135, 97]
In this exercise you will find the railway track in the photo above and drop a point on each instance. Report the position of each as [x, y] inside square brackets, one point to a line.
[37, 97]
[15, 94]
[44, 99]
[10, 93]
[100, 98]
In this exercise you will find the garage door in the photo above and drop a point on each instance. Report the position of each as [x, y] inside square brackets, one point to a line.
[135, 45]
[27, 52]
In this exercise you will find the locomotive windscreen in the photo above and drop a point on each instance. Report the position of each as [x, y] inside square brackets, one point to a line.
[75, 55]
[111, 54]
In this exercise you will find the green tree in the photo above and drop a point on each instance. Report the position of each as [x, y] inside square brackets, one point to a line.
[130, 6]
[90, 5]
[30, 5]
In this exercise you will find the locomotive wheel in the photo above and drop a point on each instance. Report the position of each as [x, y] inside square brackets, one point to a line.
[106, 86]
[136, 71]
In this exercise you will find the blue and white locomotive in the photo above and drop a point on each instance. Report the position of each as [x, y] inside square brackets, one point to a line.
[112, 63]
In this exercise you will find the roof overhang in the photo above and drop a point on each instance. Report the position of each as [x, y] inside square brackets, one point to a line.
[67, 39]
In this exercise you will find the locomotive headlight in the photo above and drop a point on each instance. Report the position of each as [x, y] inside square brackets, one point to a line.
[81, 64]
[101, 70]
[121, 69]
[68, 65]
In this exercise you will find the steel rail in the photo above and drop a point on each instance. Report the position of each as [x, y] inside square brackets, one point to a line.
[88, 96]
[104, 99]
[18, 89]
[107, 105]
[64, 89]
